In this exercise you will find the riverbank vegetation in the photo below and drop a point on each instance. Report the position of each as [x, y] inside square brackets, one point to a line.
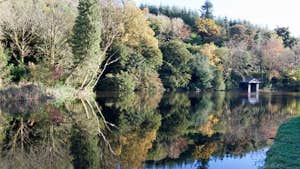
[109, 45]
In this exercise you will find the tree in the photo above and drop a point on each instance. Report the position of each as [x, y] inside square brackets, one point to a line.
[58, 19]
[237, 60]
[207, 29]
[166, 28]
[21, 29]
[136, 51]
[285, 34]
[188, 16]
[207, 10]
[271, 54]
[175, 72]
[86, 44]
[202, 72]
[237, 32]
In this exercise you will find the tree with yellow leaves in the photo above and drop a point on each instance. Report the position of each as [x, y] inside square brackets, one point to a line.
[207, 29]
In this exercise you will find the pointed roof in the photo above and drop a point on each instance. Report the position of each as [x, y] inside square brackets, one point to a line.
[250, 80]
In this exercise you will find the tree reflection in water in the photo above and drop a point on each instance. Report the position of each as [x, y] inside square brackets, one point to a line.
[152, 130]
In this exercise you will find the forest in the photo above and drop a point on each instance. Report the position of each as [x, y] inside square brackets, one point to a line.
[110, 45]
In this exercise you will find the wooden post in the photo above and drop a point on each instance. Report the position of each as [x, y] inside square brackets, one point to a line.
[249, 88]
[257, 87]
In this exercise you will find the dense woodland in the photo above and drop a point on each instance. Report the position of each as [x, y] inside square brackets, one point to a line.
[109, 45]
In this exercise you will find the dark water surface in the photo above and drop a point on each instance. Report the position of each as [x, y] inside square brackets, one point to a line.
[152, 131]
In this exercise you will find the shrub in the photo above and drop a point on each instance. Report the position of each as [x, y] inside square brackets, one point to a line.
[122, 82]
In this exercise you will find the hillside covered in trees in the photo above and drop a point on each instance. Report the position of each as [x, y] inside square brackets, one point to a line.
[109, 45]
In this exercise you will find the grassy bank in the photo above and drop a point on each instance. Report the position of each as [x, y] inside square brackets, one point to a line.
[285, 153]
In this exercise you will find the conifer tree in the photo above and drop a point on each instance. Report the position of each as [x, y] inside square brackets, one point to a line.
[207, 10]
[86, 44]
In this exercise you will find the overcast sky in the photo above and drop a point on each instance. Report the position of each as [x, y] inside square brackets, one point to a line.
[266, 13]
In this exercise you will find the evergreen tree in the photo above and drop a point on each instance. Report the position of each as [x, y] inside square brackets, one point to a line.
[86, 43]
[86, 38]
[207, 10]
[285, 34]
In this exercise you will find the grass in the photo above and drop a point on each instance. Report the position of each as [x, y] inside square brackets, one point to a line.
[285, 152]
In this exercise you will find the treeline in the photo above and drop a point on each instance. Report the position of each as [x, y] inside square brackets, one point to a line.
[223, 52]
[109, 45]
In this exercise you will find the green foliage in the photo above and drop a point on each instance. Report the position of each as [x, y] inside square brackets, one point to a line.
[176, 117]
[175, 72]
[123, 82]
[41, 47]
[86, 38]
[285, 34]
[86, 43]
[18, 73]
[137, 53]
[84, 149]
[218, 81]
[188, 16]
[202, 74]
[207, 10]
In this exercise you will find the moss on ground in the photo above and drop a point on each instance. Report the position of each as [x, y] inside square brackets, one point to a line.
[285, 152]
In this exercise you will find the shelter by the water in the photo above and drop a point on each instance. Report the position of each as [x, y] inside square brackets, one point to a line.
[250, 85]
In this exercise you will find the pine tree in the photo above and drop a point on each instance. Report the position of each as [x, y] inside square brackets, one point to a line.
[86, 43]
[207, 10]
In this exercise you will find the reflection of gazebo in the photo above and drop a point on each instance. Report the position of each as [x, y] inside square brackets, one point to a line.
[250, 84]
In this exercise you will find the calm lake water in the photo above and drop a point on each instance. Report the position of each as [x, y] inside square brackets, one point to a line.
[152, 131]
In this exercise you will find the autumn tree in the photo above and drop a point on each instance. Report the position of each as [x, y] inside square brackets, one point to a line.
[271, 52]
[207, 29]
[21, 33]
[136, 52]
[238, 62]
[237, 32]
[168, 28]
[58, 19]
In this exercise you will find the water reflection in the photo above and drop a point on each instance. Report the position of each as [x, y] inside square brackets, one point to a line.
[175, 130]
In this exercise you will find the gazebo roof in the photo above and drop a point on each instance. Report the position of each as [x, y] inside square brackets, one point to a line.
[250, 80]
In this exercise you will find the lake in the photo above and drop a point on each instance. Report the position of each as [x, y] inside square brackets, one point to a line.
[225, 130]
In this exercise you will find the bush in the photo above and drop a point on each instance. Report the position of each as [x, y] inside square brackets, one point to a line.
[122, 82]
[18, 73]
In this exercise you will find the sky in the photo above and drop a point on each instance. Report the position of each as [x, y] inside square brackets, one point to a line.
[265, 13]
